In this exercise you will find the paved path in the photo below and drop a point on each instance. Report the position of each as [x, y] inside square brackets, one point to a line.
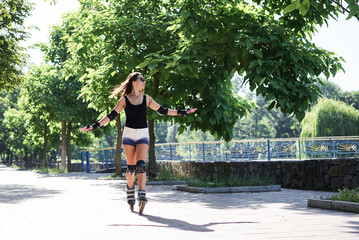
[78, 206]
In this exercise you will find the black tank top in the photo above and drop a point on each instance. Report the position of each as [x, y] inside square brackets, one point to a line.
[136, 114]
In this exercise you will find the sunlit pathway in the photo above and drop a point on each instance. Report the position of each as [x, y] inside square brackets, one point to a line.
[78, 206]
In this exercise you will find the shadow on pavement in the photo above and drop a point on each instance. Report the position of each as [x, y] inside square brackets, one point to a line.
[15, 193]
[177, 224]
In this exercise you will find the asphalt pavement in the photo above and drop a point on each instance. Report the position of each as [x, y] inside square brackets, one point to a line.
[76, 206]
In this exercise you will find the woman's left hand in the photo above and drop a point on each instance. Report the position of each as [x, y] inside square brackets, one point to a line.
[191, 110]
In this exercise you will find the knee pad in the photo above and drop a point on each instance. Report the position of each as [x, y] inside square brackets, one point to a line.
[141, 166]
[131, 169]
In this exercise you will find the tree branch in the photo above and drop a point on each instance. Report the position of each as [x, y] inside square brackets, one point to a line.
[340, 4]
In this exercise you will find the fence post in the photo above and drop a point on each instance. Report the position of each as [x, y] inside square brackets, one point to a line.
[300, 156]
[306, 149]
[82, 161]
[219, 150]
[101, 154]
[204, 156]
[159, 153]
[334, 148]
[249, 151]
[277, 150]
[330, 148]
[190, 154]
[171, 152]
[268, 144]
[88, 167]
[106, 158]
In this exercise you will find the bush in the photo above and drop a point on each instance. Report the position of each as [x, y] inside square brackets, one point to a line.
[346, 195]
[331, 118]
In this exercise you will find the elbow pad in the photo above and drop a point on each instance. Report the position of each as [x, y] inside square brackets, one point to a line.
[162, 111]
[112, 115]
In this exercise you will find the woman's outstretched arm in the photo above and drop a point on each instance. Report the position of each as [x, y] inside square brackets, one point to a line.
[109, 117]
[165, 111]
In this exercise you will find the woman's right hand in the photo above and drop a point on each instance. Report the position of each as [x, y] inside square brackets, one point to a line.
[86, 129]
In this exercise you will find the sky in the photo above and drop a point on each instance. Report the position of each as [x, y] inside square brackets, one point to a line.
[341, 37]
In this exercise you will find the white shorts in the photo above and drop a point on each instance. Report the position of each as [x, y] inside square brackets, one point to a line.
[133, 137]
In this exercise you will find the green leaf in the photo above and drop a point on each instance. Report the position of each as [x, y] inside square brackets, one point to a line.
[258, 53]
[304, 7]
[253, 64]
[182, 67]
[144, 63]
[300, 115]
[212, 121]
[271, 105]
[289, 8]
[79, 46]
[217, 113]
[172, 27]
[185, 14]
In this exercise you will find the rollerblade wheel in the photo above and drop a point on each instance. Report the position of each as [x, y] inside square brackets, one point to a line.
[142, 206]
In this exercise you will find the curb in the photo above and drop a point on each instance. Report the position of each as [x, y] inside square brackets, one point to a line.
[334, 205]
[229, 189]
[174, 182]
[117, 178]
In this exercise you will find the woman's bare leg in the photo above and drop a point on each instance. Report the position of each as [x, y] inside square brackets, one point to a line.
[130, 152]
[141, 154]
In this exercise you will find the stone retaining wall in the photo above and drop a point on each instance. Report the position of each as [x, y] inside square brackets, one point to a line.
[326, 174]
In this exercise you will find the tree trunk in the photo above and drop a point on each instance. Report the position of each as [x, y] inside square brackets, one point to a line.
[21, 159]
[68, 140]
[152, 168]
[11, 158]
[118, 160]
[7, 156]
[63, 145]
[44, 146]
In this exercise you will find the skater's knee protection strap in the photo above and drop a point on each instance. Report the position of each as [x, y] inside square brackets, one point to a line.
[141, 166]
[131, 169]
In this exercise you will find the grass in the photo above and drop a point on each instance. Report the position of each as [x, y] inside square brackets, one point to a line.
[18, 167]
[231, 181]
[164, 174]
[49, 170]
[42, 170]
[346, 195]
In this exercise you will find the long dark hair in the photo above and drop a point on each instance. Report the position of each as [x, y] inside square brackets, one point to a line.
[126, 86]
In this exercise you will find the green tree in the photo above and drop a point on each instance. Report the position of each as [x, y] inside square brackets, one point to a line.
[67, 106]
[330, 90]
[315, 8]
[12, 32]
[331, 118]
[16, 127]
[350, 98]
[50, 100]
[190, 51]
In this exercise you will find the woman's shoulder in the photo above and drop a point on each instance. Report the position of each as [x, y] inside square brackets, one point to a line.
[122, 100]
[149, 99]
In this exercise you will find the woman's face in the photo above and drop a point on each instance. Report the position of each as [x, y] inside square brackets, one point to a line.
[139, 83]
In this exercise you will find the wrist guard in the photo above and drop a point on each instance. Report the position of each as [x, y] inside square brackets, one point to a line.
[182, 113]
[162, 111]
[112, 115]
[94, 126]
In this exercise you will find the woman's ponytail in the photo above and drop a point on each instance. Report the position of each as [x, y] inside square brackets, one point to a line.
[126, 86]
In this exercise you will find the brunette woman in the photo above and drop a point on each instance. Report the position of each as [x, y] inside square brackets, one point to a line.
[135, 137]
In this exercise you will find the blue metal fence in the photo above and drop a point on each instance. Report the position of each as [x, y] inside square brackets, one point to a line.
[237, 150]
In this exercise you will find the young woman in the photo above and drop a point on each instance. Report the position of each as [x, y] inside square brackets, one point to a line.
[135, 137]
